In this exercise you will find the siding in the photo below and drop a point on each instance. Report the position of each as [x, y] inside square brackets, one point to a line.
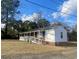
[50, 35]
[58, 34]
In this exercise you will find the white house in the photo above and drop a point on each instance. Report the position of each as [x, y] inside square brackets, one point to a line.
[52, 34]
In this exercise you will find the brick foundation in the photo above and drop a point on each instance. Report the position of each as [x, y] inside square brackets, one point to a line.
[61, 43]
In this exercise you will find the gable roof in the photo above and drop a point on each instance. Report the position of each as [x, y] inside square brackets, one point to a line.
[45, 28]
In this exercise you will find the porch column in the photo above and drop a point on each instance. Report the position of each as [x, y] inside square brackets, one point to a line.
[29, 37]
[24, 37]
[39, 34]
[34, 36]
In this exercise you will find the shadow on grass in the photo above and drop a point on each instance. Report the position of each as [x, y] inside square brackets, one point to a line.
[68, 44]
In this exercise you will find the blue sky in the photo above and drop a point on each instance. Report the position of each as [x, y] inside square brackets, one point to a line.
[66, 6]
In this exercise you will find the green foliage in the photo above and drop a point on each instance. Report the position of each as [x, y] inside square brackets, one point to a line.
[8, 10]
[14, 27]
[72, 36]
[27, 25]
[12, 33]
[43, 23]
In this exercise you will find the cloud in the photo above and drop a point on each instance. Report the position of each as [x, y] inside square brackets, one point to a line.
[25, 18]
[34, 17]
[55, 15]
[67, 8]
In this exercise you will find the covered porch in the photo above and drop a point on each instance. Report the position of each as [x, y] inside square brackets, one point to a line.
[37, 36]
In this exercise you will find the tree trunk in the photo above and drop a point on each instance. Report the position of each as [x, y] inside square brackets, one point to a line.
[6, 28]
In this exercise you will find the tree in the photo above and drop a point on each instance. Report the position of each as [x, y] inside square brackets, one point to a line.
[72, 36]
[8, 10]
[27, 26]
[43, 23]
[33, 25]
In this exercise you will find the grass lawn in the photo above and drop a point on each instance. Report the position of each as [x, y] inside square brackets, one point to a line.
[9, 47]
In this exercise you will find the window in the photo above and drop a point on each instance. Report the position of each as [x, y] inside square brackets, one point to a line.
[61, 34]
[36, 34]
[43, 33]
[32, 34]
[25, 34]
[21, 34]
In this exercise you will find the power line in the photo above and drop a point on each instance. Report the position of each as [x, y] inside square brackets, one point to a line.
[58, 2]
[48, 8]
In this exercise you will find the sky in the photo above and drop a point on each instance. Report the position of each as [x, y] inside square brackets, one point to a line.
[61, 10]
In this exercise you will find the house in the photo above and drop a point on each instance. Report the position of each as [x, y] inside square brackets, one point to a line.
[50, 35]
